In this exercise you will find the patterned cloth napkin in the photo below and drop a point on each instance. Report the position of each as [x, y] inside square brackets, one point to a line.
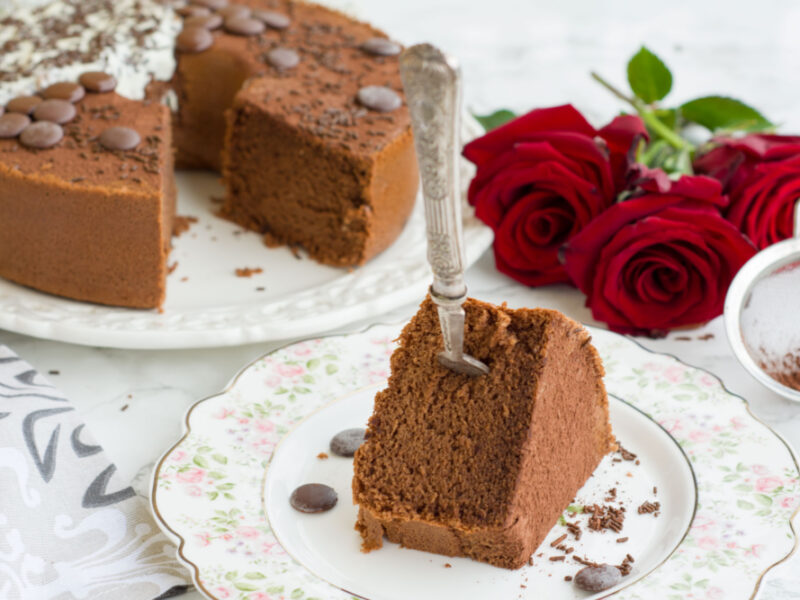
[69, 528]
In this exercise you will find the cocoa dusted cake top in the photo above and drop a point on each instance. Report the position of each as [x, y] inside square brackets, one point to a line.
[316, 68]
[86, 134]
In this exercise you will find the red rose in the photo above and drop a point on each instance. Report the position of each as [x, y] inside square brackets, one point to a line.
[540, 179]
[661, 259]
[761, 175]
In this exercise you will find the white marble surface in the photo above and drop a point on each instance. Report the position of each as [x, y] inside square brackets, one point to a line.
[517, 54]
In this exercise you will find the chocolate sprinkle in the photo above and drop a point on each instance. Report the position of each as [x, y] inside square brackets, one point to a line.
[42, 134]
[194, 39]
[98, 82]
[234, 11]
[211, 4]
[66, 90]
[345, 443]
[272, 19]
[12, 124]
[57, 111]
[119, 138]
[379, 98]
[597, 579]
[283, 58]
[244, 26]
[23, 104]
[381, 47]
[205, 22]
[313, 498]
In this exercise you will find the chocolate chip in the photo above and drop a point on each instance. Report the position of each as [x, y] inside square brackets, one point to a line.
[283, 58]
[379, 98]
[66, 90]
[597, 579]
[272, 19]
[381, 47]
[12, 124]
[42, 134]
[57, 111]
[194, 39]
[345, 443]
[244, 26]
[98, 82]
[119, 138]
[193, 11]
[234, 11]
[211, 4]
[23, 104]
[205, 22]
[313, 498]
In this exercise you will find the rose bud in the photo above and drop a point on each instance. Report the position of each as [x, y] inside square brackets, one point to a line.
[761, 175]
[661, 259]
[540, 179]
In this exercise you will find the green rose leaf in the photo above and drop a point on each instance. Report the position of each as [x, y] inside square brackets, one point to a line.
[313, 363]
[648, 76]
[200, 461]
[220, 458]
[720, 113]
[763, 499]
[497, 118]
[744, 504]
[330, 369]
[245, 587]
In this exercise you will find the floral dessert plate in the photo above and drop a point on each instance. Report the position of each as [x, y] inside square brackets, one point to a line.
[279, 297]
[725, 485]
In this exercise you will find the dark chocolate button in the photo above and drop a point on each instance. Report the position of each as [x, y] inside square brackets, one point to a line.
[66, 90]
[597, 579]
[244, 26]
[57, 111]
[192, 10]
[211, 4]
[381, 47]
[207, 22]
[272, 19]
[120, 138]
[283, 58]
[194, 39]
[379, 98]
[345, 443]
[23, 104]
[313, 498]
[12, 124]
[234, 11]
[42, 134]
[98, 82]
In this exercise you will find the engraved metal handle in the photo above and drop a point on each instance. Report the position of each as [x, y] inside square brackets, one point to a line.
[432, 83]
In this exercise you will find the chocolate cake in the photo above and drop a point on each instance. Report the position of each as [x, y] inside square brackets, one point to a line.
[302, 109]
[87, 196]
[482, 467]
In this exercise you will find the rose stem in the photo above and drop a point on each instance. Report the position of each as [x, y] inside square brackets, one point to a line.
[648, 116]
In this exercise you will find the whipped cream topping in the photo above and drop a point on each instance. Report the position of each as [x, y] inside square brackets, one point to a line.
[131, 39]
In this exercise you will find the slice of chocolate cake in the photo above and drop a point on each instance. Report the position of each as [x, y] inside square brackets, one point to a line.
[482, 467]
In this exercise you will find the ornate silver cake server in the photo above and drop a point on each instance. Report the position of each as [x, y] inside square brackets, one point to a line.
[432, 83]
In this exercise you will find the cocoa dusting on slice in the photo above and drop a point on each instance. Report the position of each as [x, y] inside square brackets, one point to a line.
[649, 507]
[248, 271]
[181, 224]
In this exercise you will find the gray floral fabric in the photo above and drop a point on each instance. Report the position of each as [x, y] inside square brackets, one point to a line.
[69, 528]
